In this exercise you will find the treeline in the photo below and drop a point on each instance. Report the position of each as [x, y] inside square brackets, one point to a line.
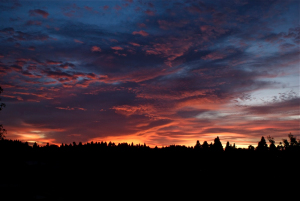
[21, 153]
[87, 171]
[286, 145]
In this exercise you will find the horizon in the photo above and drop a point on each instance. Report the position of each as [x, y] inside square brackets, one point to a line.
[156, 72]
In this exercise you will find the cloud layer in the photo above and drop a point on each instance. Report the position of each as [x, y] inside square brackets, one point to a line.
[155, 72]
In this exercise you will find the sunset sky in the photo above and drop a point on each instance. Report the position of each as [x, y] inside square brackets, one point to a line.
[154, 72]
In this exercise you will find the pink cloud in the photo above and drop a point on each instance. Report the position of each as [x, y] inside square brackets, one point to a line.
[142, 32]
[135, 44]
[169, 50]
[96, 49]
[150, 12]
[117, 53]
[78, 41]
[152, 52]
[38, 12]
[117, 48]
[105, 7]
[213, 56]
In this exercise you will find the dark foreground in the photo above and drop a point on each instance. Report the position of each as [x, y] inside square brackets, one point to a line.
[102, 172]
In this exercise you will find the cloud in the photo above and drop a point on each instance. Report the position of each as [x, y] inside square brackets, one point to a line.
[117, 48]
[142, 25]
[71, 108]
[32, 48]
[214, 56]
[32, 22]
[96, 49]
[88, 8]
[135, 44]
[12, 35]
[67, 65]
[50, 62]
[142, 33]
[16, 67]
[78, 41]
[40, 12]
[285, 107]
[165, 25]
[128, 110]
[150, 12]
[8, 31]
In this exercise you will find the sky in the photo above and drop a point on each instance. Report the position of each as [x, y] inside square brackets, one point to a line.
[154, 72]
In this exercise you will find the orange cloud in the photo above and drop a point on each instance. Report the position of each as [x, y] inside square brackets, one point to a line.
[128, 110]
[31, 134]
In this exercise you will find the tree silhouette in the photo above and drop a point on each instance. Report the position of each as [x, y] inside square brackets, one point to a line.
[292, 144]
[286, 144]
[293, 141]
[2, 130]
[250, 147]
[262, 145]
[35, 146]
[205, 145]
[217, 146]
[197, 145]
[272, 143]
[229, 147]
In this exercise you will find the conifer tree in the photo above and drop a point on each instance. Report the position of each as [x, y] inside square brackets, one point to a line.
[2, 130]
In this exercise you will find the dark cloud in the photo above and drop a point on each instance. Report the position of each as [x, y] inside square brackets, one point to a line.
[13, 35]
[285, 107]
[37, 12]
[189, 113]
